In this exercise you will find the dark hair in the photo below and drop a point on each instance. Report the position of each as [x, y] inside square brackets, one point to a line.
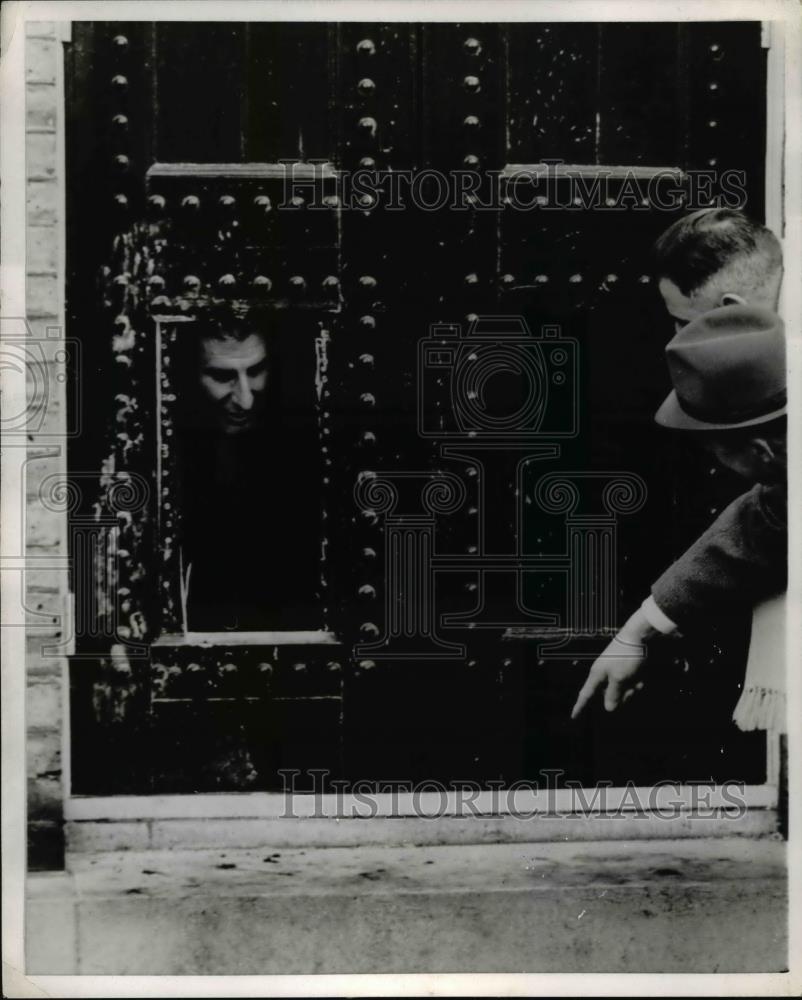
[228, 323]
[696, 247]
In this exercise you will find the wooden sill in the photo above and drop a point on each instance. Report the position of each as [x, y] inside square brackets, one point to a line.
[208, 640]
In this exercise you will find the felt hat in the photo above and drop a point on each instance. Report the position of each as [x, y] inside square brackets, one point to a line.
[728, 370]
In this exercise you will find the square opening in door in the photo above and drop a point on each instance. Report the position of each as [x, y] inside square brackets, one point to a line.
[247, 464]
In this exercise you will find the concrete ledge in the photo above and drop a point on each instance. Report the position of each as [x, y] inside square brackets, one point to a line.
[165, 829]
[658, 906]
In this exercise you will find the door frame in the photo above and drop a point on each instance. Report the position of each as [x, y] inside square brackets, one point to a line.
[239, 818]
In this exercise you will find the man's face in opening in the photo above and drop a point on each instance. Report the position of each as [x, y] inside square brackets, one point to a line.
[684, 308]
[233, 379]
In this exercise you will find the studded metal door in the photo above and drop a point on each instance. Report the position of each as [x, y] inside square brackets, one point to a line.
[210, 166]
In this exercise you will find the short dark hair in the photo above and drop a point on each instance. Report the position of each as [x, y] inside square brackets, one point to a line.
[227, 323]
[699, 245]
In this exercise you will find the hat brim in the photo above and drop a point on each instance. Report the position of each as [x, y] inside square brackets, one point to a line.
[672, 415]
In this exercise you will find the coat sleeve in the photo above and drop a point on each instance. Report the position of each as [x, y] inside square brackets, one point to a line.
[740, 559]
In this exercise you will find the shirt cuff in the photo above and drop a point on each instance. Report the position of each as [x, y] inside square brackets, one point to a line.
[656, 618]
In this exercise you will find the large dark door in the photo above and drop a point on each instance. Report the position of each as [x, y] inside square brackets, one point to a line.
[564, 150]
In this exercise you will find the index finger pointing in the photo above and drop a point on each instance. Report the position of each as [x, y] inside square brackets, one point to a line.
[587, 692]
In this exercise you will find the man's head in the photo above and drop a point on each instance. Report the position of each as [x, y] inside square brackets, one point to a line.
[717, 257]
[729, 376]
[757, 453]
[233, 375]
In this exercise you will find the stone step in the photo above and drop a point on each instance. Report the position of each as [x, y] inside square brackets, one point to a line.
[627, 906]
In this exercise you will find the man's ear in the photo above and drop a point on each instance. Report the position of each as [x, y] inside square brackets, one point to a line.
[764, 450]
[731, 299]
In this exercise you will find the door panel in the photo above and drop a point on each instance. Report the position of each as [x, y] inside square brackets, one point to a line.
[175, 136]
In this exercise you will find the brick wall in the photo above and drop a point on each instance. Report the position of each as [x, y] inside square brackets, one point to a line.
[46, 583]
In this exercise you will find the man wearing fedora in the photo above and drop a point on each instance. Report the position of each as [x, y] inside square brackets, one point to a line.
[727, 365]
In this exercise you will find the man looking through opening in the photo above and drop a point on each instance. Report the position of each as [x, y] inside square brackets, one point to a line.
[250, 503]
[234, 378]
